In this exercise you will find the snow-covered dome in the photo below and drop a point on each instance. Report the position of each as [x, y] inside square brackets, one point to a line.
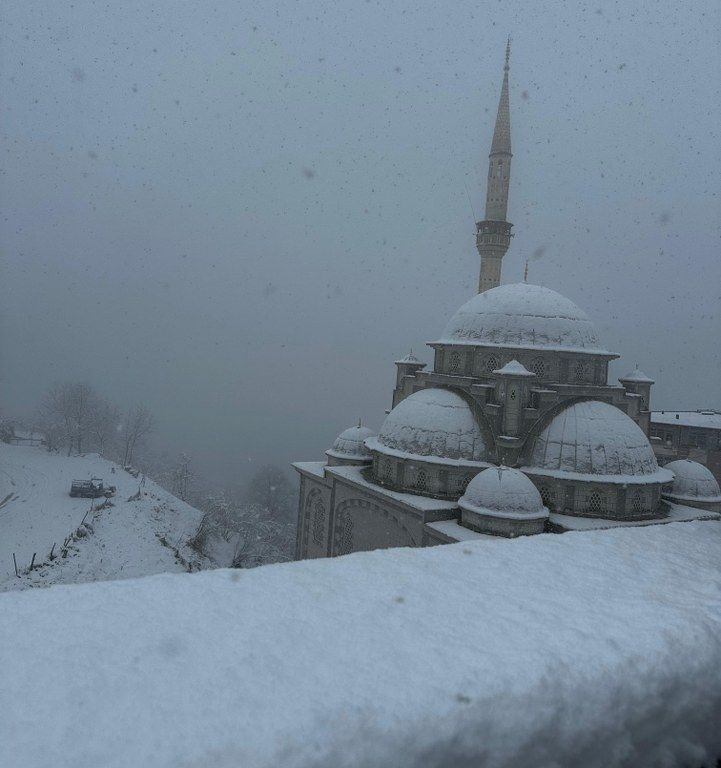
[503, 492]
[350, 443]
[637, 376]
[693, 482]
[595, 438]
[432, 422]
[522, 315]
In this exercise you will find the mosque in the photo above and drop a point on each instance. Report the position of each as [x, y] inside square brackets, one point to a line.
[515, 431]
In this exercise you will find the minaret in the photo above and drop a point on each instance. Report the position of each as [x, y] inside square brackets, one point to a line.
[493, 234]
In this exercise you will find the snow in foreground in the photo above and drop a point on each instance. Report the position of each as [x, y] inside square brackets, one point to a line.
[132, 538]
[598, 648]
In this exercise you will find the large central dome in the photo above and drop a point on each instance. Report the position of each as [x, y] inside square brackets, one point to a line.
[522, 315]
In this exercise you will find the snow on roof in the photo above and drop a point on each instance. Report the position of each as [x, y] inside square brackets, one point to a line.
[432, 422]
[525, 316]
[351, 442]
[693, 482]
[638, 376]
[503, 492]
[595, 438]
[409, 358]
[513, 368]
[675, 513]
[710, 419]
[472, 653]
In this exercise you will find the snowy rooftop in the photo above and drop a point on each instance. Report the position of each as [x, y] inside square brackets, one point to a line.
[351, 443]
[705, 418]
[693, 482]
[583, 649]
[523, 315]
[637, 376]
[503, 492]
[514, 368]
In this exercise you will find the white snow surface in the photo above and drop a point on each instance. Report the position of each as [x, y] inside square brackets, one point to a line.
[596, 438]
[708, 419]
[503, 492]
[637, 375]
[514, 368]
[522, 315]
[597, 649]
[432, 422]
[693, 481]
[37, 511]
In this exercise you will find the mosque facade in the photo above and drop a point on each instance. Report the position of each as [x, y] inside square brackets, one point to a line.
[515, 431]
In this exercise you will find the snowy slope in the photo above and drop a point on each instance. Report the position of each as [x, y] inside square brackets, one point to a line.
[123, 541]
[594, 649]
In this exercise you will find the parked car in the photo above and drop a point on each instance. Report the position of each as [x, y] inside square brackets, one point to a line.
[91, 489]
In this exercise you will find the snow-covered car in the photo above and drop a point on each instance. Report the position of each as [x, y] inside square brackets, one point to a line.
[91, 489]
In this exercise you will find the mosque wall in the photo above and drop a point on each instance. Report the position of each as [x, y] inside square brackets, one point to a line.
[314, 518]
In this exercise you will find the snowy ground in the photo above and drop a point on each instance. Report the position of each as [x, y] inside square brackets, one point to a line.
[594, 649]
[132, 538]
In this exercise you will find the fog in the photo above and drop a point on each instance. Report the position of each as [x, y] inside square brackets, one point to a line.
[242, 213]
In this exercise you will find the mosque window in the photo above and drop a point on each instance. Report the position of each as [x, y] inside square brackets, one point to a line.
[387, 471]
[539, 367]
[638, 502]
[580, 370]
[318, 526]
[422, 480]
[455, 361]
[547, 496]
[492, 364]
[462, 483]
[595, 503]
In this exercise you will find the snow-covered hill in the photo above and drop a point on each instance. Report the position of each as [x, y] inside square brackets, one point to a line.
[141, 537]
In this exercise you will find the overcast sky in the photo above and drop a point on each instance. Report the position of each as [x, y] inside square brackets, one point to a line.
[241, 213]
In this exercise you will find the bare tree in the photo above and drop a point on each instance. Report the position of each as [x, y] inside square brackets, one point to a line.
[271, 489]
[69, 409]
[138, 424]
[182, 477]
[104, 422]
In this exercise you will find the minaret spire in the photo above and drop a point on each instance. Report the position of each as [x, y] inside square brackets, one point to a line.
[493, 235]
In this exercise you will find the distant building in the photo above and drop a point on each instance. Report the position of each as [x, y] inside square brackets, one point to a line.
[688, 435]
[516, 430]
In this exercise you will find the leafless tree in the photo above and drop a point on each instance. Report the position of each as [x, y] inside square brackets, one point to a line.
[138, 425]
[271, 489]
[68, 409]
[182, 477]
[104, 424]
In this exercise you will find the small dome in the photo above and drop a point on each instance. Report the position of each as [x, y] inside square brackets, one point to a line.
[435, 423]
[693, 481]
[638, 376]
[522, 315]
[350, 443]
[503, 492]
[595, 438]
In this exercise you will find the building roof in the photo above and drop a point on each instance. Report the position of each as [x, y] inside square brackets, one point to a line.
[708, 418]
[514, 368]
[409, 358]
[525, 316]
[351, 443]
[596, 439]
[432, 422]
[693, 482]
[503, 492]
[637, 376]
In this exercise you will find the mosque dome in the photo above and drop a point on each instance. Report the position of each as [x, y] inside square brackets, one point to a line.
[523, 315]
[692, 482]
[503, 492]
[350, 444]
[595, 438]
[434, 423]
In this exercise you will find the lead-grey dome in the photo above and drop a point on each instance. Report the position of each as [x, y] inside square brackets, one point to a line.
[595, 438]
[522, 315]
[351, 444]
[503, 492]
[693, 482]
[434, 423]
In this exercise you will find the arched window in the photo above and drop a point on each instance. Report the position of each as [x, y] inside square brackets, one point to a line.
[595, 503]
[318, 526]
[547, 496]
[539, 367]
[462, 483]
[580, 370]
[492, 364]
[455, 361]
[422, 480]
[387, 471]
[638, 501]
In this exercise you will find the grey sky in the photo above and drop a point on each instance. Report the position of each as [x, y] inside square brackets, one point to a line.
[242, 213]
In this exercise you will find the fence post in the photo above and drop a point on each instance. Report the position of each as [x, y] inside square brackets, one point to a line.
[32, 562]
[15, 563]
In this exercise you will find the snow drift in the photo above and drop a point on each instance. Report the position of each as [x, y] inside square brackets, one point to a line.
[598, 648]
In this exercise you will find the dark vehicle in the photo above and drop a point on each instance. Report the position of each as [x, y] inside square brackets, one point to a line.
[91, 489]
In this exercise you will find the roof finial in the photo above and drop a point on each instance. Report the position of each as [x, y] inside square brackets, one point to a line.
[508, 54]
[359, 423]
